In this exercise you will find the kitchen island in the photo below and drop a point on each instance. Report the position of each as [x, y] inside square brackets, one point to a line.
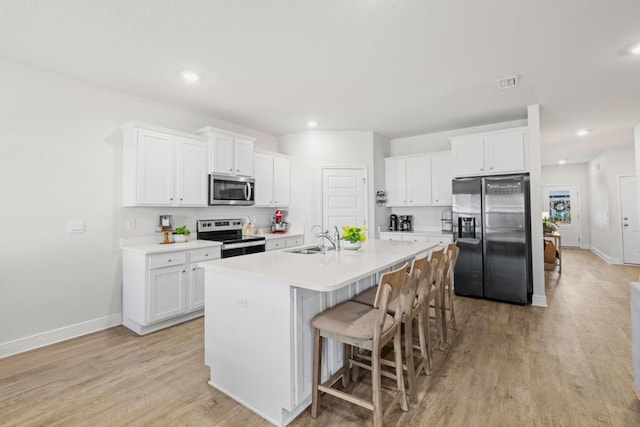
[258, 309]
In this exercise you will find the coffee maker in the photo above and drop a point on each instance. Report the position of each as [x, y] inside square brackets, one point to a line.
[278, 224]
[405, 222]
[393, 222]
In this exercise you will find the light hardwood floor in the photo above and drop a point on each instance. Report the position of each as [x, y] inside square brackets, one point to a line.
[569, 364]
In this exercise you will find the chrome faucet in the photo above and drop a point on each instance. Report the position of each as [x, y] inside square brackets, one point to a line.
[325, 234]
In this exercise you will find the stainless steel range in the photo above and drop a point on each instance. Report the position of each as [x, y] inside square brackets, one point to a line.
[229, 233]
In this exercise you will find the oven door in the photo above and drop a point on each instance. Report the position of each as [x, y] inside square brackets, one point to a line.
[231, 190]
[242, 248]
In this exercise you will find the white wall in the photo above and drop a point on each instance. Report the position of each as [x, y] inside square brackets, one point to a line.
[312, 150]
[604, 201]
[381, 149]
[61, 146]
[572, 174]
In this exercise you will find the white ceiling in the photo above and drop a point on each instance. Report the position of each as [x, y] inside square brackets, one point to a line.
[399, 68]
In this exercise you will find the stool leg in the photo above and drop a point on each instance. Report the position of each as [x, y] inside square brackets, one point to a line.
[346, 355]
[423, 327]
[317, 365]
[438, 312]
[408, 355]
[397, 350]
[452, 313]
[443, 316]
[377, 387]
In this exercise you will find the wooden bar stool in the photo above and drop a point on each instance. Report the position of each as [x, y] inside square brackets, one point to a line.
[358, 325]
[452, 257]
[438, 259]
[416, 291]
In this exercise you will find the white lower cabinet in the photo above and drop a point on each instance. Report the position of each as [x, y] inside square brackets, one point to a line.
[416, 236]
[285, 241]
[163, 289]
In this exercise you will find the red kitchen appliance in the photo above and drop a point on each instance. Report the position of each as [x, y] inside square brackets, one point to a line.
[278, 224]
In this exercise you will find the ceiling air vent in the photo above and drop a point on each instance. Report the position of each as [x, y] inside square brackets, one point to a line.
[508, 82]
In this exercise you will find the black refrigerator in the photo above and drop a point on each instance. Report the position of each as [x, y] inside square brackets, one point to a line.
[492, 228]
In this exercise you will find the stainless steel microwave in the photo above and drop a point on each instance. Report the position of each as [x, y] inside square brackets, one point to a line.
[231, 190]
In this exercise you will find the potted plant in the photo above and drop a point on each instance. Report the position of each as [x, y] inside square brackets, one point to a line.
[180, 234]
[353, 237]
[548, 225]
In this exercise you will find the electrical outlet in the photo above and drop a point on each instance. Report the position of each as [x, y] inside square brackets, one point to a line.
[241, 302]
[131, 224]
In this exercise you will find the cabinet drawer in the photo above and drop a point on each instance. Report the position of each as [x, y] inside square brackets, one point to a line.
[441, 240]
[390, 236]
[294, 241]
[167, 259]
[275, 244]
[414, 238]
[198, 255]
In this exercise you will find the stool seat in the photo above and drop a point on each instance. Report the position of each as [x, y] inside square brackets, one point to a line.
[350, 319]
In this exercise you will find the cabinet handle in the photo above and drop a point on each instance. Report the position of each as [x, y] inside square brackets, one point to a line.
[404, 201]
[193, 269]
[481, 169]
[436, 200]
[237, 170]
[183, 271]
[230, 170]
[171, 198]
[276, 202]
[169, 260]
[410, 201]
[206, 254]
[490, 167]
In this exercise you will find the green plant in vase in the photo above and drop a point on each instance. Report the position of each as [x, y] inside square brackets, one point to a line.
[180, 234]
[549, 225]
[353, 237]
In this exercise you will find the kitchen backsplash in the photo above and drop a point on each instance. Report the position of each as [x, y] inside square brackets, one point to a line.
[427, 217]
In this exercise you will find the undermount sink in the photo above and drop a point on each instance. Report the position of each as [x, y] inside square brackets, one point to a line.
[311, 250]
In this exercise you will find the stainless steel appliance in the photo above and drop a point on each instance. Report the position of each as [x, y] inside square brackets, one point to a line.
[393, 222]
[278, 224]
[229, 232]
[492, 227]
[405, 222]
[231, 190]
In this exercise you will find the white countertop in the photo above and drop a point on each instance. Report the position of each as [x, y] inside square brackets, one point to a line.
[170, 247]
[320, 272]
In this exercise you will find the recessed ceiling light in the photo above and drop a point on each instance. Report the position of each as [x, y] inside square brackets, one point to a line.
[582, 132]
[636, 49]
[562, 162]
[312, 123]
[190, 76]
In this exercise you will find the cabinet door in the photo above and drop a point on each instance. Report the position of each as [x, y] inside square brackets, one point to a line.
[155, 169]
[222, 154]
[468, 156]
[505, 152]
[395, 178]
[243, 157]
[418, 181]
[263, 174]
[281, 181]
[273, 244]
[441, 176]
[166, 293]
[390, 236]
[196, 287]
[191, 172]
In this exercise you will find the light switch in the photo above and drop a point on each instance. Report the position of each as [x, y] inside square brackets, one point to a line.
[74, 227]
[241, 302]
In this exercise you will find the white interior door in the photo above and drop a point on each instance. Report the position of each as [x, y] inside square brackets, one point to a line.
[562, 203]
[343, 198]
[630, 227]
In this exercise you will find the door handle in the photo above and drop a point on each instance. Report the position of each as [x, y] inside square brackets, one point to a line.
[626, 225]
[625, 218]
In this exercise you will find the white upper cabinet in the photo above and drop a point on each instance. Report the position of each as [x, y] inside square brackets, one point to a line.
[441, 176]
[272, 173]
[162, 167]
[490, 153]
[231, 153]
[422, 180]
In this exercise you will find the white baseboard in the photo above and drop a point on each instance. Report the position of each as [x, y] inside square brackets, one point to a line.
[61, 334]
[539, 300]
[600, 254]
